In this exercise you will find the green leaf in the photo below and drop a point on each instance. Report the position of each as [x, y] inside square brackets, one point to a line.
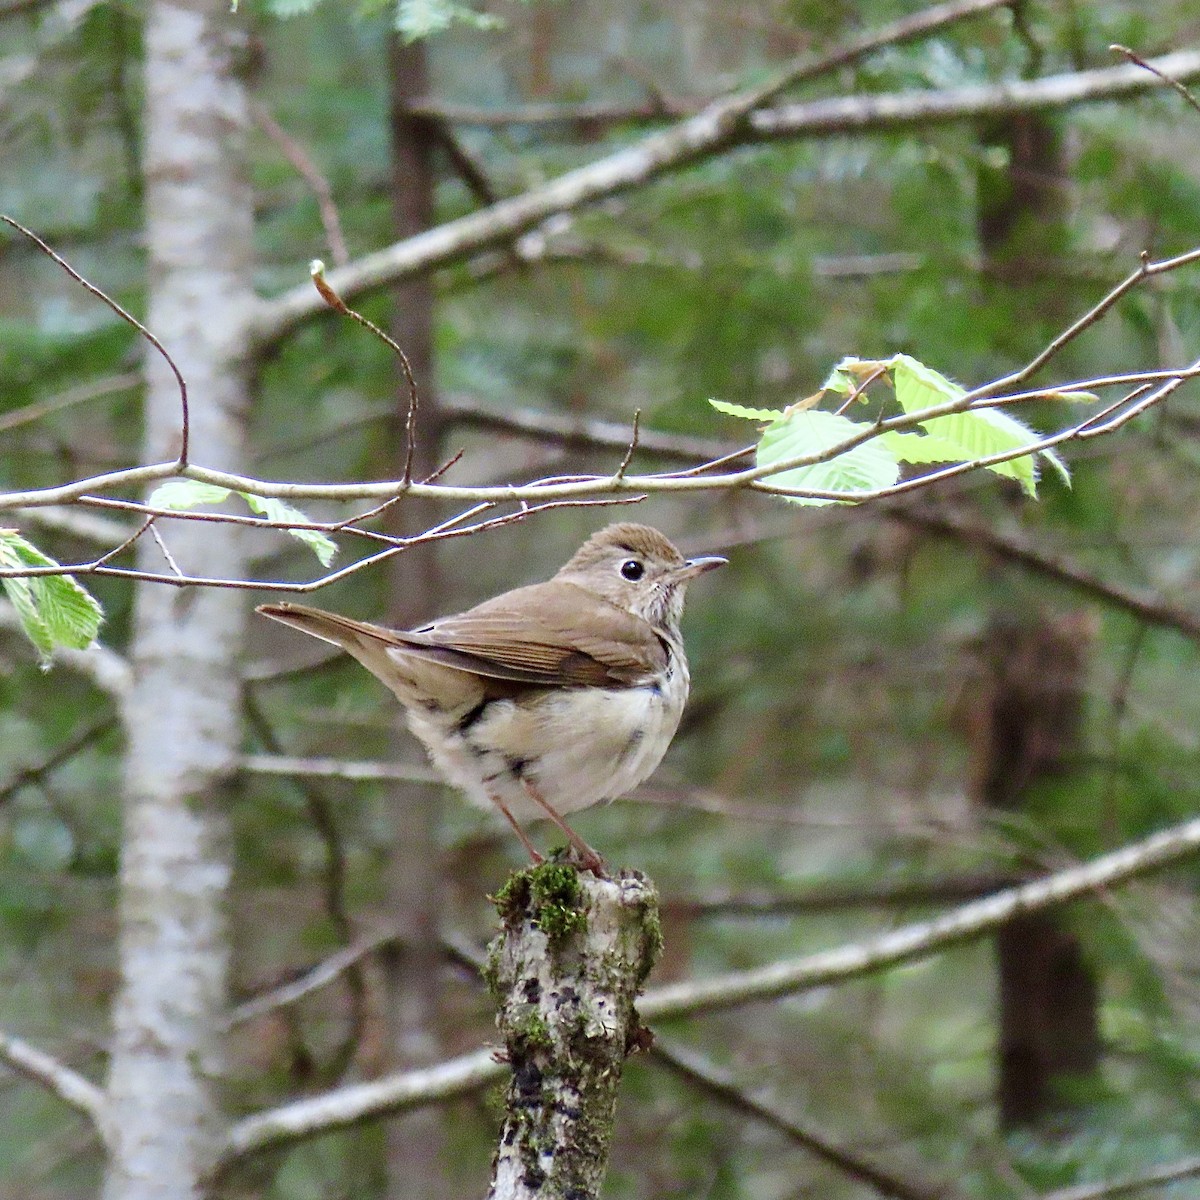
[54, 611]
[983, 432]
[867, 467]
[323, 546]
[921, 448]
[749, 414]
[918, 386]
[185, 493]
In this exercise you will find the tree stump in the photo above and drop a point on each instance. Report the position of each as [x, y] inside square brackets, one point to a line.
[565, 971]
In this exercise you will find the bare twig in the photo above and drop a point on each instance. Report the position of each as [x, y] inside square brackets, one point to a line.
[158, 540]
[25, 777]
[691, 1066]
[1168, 848]
[336, 768]
[1167, 79]
[330, 296]
[456, 950]
[129, 319]
[95, 390]
[1011, 548]
[1156, 1177]
[67, 1084]
[633, 444]
[97, 567]
[295, 153]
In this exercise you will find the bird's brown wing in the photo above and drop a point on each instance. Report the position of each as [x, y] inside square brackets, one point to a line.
[555, 634]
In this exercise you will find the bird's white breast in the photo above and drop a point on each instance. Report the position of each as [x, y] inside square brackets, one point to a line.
[577, 746]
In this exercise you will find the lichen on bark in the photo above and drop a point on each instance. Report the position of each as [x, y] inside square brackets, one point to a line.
[565, 971]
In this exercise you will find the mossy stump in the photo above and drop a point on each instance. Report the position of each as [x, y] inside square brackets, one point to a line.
[565, 971]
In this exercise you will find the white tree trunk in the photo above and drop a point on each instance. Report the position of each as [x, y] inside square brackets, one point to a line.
[182, 713]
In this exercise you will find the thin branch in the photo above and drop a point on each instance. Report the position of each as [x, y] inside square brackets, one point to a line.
[401, 545]
[64, 1082]
[692, 1067]
[1185, 1168]
[718, 128]
[129, 319]
[1143, 272]
[755, 478]
[308, 170]
[411, 1089]
[1141, 62]
[456, 950]
[360, 1102]
[1167, 848]
[1009, 547]
[309, 981]
[634, 441]
[840, 898]
[95, 390]
[329, 294]
[27, 776]
[336, 768]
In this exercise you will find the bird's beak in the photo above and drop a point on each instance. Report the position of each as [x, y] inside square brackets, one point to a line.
[697, 566]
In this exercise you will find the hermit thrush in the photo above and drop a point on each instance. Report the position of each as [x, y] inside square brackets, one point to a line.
[548, 698]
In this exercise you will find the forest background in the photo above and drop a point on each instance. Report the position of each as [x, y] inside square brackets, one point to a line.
[238, 914]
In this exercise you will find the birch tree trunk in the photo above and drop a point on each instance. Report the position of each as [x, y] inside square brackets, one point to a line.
[182, 714]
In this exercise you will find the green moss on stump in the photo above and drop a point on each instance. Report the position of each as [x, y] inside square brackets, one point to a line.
[548, 895]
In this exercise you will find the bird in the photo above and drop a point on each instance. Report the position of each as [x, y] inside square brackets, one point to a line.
[548, 698]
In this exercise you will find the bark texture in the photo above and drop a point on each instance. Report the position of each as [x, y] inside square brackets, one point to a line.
[565, 972]
[182, 709]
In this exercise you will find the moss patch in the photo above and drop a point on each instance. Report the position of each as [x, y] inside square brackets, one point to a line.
[555, 900]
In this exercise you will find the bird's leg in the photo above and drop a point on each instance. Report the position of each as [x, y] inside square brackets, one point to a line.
[533, 851]
[588, 858]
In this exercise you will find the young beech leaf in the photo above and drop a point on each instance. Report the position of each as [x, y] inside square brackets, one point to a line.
[324, 547]
[918, 386]
[749, 414]
[54, 611]
[185, 493]
[866, 467]
[851, 373]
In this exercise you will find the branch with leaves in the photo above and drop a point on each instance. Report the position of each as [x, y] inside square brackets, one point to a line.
[805, 454]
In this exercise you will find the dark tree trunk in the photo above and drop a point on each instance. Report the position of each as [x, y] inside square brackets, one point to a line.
[1028, 730]
[416, 1167]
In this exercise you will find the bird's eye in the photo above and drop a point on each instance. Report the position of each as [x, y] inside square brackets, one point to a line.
[632, 569]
